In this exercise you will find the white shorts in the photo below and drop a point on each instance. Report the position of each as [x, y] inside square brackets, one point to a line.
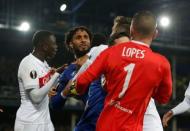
[20, 126]
[152, 123]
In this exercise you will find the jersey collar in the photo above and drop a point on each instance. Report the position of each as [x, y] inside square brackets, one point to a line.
[39, 61]
[140, 43]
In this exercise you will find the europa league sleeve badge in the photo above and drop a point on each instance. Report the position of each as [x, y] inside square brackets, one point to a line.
[33, 74]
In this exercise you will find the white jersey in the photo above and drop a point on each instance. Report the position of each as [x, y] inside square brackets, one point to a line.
[187, 92]
[95, 51]
[33, 73]
[152, 121]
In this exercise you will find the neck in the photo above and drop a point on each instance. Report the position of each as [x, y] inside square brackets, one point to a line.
[147, 41]
[38, 54]
[78, 54]
[122, 40]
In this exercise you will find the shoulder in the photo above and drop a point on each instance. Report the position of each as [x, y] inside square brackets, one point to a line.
[98, 49]
[27, 64]
[162, 58]
[162, 62]
[26, 61]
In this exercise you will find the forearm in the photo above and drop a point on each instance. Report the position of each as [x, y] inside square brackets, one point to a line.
[38, 94]
[182, 107]
[83, 68]
[83, 81]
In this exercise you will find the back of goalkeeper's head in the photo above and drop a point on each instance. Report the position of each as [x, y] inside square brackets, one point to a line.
[143, 25]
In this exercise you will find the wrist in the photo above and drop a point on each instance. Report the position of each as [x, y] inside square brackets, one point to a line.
[63, 96]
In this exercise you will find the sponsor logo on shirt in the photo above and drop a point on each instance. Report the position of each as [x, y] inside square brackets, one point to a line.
[117, 105]
[43, 80]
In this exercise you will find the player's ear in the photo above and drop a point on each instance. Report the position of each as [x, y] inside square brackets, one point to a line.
[44, 47]
[155, 35]
[132, 31]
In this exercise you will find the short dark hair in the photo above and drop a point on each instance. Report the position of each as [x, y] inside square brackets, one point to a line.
[144, 22]
[122, 28]
[40, 36]
[122, 25]
[122, 19]
[69, 35]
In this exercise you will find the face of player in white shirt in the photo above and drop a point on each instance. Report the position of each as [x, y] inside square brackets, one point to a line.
[50, 47]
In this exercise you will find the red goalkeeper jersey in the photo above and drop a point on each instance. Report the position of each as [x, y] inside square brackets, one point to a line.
[134, 74]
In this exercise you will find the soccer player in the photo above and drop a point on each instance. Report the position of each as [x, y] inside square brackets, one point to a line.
[128, 69]
[78, 40]
[120, 31]
[179, 109]
[94, 98]
[35, 79]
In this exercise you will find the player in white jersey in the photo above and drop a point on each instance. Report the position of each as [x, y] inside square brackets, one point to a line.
[179, 109]
[35, 79]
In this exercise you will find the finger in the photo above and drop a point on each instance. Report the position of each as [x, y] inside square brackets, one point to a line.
[165, 124]
[52, 71]
[166, 118]
[61, 68]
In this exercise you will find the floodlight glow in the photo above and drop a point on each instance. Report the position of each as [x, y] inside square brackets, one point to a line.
[1, 26]
[165, 21]
[25, 26]
[63, 7]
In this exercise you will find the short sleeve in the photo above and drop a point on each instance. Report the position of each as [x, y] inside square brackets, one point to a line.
[187, 92]
[96, 51]
[29, 75]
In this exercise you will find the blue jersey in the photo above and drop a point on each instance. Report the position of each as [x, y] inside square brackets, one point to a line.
[96, 96]
[94, 106]
[93, 99]
[58, 101]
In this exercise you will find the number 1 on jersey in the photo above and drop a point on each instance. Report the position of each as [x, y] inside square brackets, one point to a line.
[129, 69]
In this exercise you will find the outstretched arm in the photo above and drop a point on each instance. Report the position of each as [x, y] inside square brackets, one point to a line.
[58, 101]
[38, 94]
[180, 108]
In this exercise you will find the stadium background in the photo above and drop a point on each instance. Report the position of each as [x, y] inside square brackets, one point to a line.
[173, 42]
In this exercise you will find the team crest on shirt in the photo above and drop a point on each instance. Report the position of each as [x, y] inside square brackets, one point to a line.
[33, 74]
